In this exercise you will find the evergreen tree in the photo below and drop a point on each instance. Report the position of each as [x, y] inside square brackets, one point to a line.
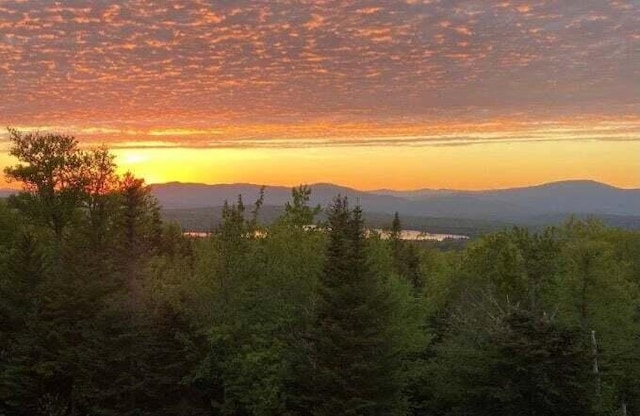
[19, 288]
[504, 360]
[406, 260]
[352, 364]
[541, 368]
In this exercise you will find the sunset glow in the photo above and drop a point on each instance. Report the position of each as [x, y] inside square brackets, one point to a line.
[368, 94]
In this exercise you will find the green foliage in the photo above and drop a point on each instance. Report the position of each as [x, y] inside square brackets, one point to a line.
[50, 172]
[517, 364]
[10, 225]
[257, 291]
[298, 212]
[406, 259]
[353, 367]
[106, 310]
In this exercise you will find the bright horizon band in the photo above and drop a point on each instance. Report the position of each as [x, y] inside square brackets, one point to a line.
[499, 164]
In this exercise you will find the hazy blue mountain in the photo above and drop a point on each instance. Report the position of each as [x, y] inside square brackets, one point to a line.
[517, 204]
[4, 193]
[190, 195]
[579, 196]
[572, 196]
[532, 205]
[417, 194]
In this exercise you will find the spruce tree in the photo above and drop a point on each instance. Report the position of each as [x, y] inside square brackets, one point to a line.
[353, 366]
[406, 260]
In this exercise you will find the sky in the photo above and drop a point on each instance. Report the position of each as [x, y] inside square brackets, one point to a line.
[369, 94]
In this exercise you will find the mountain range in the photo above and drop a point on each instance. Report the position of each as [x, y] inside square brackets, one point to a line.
[511, 205]
[197, 206]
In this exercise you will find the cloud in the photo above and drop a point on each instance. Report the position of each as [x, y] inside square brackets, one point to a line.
[246, 73]
[350, 134]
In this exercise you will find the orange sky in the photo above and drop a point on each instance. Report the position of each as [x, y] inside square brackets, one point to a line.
[462, 156]
[497, 165]
[403, 94]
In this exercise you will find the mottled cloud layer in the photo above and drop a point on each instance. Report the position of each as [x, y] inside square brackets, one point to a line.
[226, 73]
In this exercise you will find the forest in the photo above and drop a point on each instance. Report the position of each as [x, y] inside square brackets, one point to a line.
[105, 309]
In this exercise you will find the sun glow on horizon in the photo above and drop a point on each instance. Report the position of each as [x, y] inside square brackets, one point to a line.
[490, 154]
[369, 168]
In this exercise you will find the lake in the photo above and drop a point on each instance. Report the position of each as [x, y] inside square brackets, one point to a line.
[412, 235]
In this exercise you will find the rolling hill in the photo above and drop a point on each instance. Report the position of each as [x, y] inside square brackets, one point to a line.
[511, 205]
[4, 193]
[198, 206]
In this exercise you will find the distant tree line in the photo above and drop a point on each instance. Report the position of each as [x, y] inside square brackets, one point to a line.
[107, 310]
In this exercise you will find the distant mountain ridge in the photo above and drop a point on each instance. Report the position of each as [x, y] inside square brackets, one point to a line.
[522, 204]
[515, 204]
[5, 193]
[422, 192]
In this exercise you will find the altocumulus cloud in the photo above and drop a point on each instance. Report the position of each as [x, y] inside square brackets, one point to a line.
[318, 72]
